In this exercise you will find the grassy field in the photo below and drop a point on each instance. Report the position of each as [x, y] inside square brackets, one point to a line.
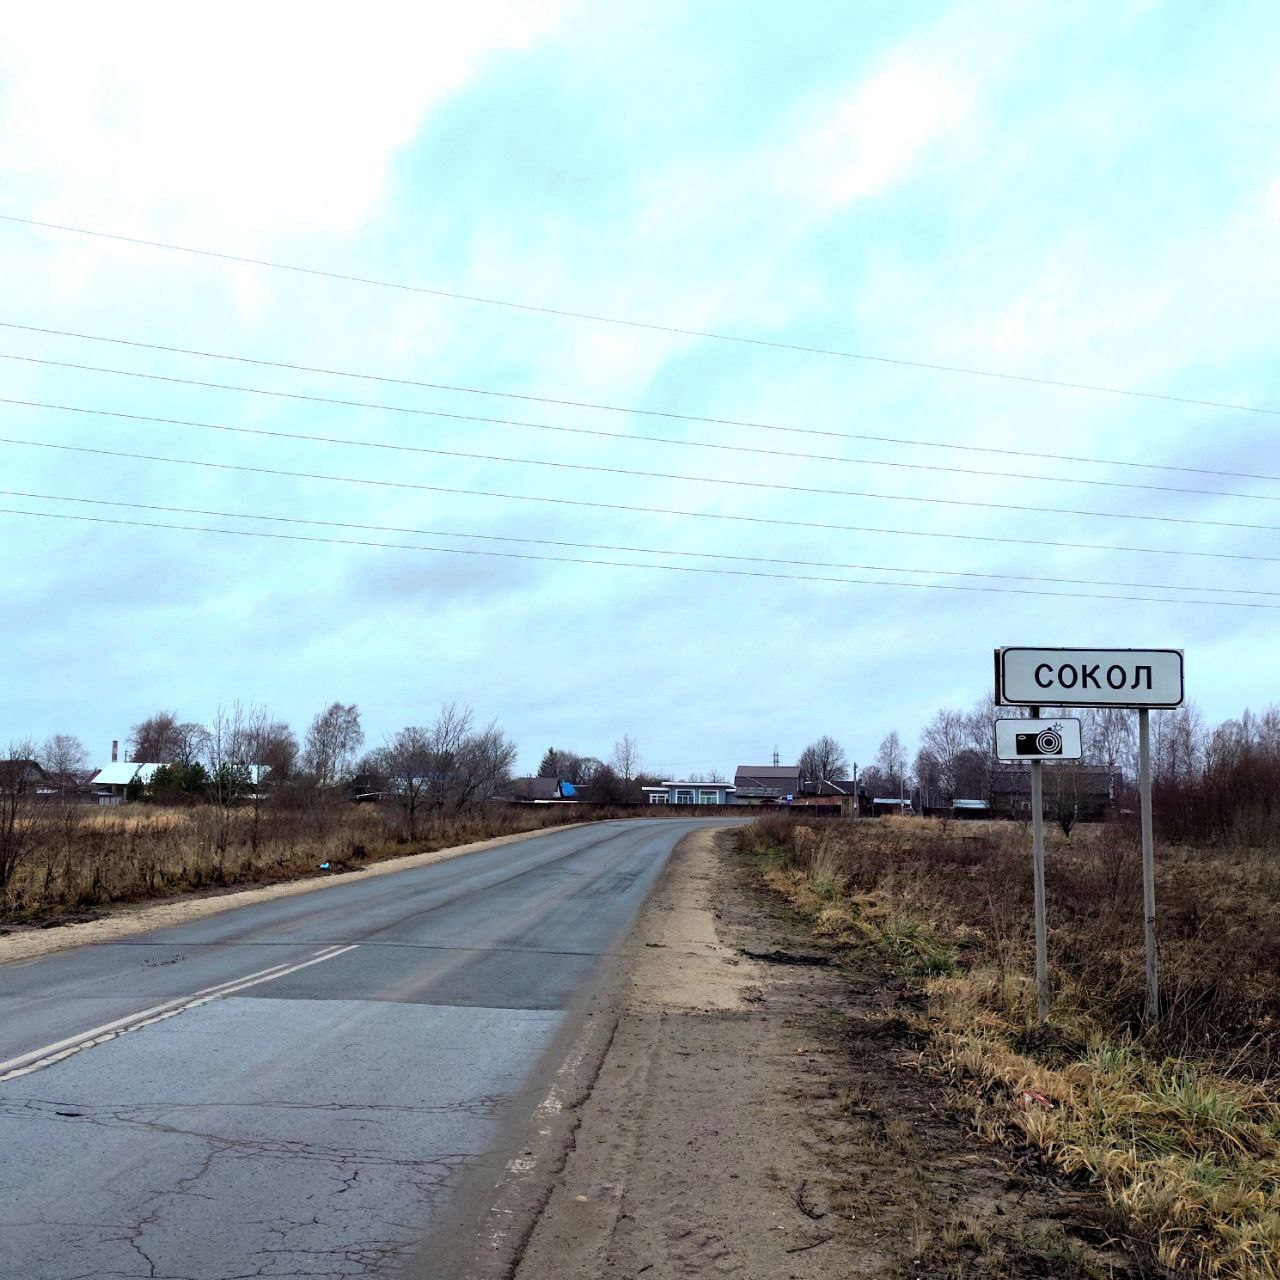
[1178, 1124]
[86, 858]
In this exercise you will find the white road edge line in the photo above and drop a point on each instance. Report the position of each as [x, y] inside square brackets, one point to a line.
[37, 1059]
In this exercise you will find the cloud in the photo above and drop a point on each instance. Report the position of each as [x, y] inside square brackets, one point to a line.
[274, 118]
[863, 142]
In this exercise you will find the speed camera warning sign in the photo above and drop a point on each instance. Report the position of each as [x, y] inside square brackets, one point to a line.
[1026, 740]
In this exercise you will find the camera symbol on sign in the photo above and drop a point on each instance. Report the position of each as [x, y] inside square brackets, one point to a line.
[1048, 742]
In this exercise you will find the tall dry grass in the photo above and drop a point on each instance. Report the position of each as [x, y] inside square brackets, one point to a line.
[85, 858]
[1177, 1123]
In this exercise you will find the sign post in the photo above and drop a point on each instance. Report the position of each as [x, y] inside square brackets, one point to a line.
[1037, 740]
[1148, 863]
[1141, 679]
[1037, 875]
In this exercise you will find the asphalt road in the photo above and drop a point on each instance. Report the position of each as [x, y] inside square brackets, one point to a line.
[296, 1088]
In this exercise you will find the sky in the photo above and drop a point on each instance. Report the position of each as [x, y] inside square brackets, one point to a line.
[1084, 194]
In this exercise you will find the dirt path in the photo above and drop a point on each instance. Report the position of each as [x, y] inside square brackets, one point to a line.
[766, 1118]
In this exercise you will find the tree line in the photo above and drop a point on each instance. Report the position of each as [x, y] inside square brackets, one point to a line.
[1210, 783]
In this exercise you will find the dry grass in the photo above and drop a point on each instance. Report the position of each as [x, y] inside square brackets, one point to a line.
[89, 858]
[1178, 1125]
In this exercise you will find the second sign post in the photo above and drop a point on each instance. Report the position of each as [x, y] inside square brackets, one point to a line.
[1031, 740]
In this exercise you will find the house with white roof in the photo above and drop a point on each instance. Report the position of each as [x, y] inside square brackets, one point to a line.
[112, 780]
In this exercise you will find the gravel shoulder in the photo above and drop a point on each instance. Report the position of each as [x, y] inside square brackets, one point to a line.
[762, 1112]
[25, 942]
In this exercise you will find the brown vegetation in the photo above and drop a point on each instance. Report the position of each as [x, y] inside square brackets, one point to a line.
[77, 858]
[1178, 1123]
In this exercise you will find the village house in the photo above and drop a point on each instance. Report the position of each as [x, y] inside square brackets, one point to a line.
[109, 784]
[1090, 791]
[766, 783]
[542, 791]
[690, 793]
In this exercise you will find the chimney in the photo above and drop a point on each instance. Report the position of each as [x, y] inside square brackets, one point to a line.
[115, 750]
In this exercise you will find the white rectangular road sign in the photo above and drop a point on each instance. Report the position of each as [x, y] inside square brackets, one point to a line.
[1058, 739]
[1089, 677]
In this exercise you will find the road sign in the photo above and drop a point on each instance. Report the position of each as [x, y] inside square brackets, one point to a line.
[1026, 740]
[1150, 678]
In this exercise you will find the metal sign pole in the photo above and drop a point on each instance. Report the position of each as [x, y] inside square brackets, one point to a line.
[1148, 862]
[1037, 853]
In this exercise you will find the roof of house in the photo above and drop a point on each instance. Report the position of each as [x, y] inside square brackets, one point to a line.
[767, 779]
[682, 782]
[540, 789]
[23, 770]
[119, 773]
[831, 787]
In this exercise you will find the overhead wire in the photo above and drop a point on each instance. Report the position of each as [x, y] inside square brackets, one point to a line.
[627, 564]
[642, 325]
[596, 546]
[600, 469]
[633, 409]
[628, 437]
[618, 506]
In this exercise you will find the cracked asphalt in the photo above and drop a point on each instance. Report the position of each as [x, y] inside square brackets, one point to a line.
[310, 1125]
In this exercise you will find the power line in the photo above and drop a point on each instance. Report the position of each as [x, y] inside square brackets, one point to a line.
[787, 454]
[618, 506]
[630, 409]
[653, 551]
[628, 564]
[647, 326]
[596, 468]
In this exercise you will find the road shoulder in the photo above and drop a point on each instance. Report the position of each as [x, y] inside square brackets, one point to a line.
[760, 1112]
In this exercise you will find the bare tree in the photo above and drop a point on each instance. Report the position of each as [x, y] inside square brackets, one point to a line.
[157, 739]
[482, 768]
[163, 739]
[328, 754]
[65, 759]
[265, 745]
[447, 765]
[332, 741]
[891, 760]
[274, 747]
[407, 763]
[226, 744]
[928, 778]
[1109, 738]
[21, 807]
[625, 758]
[1178, 741]
[823, 760]
[947, 738]
[872, 780]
